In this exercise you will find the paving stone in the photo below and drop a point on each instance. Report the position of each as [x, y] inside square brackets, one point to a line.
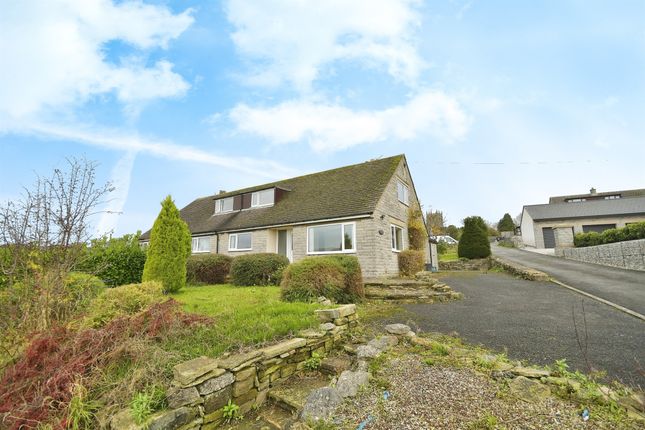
[321, 404]
[529, 372]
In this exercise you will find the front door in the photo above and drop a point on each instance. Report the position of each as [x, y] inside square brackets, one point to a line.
[284, 244]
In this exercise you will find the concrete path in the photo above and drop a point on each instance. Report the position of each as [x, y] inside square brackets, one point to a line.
[535, 321]
[621, 286]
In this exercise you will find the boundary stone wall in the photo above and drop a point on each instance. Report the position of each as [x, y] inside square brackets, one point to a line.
[627, 255]
[203, 386]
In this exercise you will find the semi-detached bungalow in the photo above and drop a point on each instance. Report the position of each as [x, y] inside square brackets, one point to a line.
[359, 210]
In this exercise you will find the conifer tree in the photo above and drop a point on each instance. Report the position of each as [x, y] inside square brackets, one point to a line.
[169, 249]
[506, 223]
[474, 239]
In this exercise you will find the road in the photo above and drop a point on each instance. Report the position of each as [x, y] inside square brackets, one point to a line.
[621, 286]
[535, 321]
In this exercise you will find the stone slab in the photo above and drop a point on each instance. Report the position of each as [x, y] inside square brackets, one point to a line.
[282, 347]
[189, 371]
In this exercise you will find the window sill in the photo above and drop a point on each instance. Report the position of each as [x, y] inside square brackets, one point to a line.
[397, 250]
[350, 251]
[201, 252]
[237, 250]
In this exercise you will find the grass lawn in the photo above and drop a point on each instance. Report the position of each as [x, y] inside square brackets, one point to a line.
[242, 316]
[450, 254]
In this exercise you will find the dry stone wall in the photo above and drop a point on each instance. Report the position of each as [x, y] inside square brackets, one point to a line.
[627, 255]
[203, 386]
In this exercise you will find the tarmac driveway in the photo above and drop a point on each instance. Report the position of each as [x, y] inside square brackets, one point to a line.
[535, 321]
[621, 286]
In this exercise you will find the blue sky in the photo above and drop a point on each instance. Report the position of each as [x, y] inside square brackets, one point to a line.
[496, 104]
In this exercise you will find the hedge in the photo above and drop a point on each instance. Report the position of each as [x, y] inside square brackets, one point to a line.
[258, 269]
[208, 269]
[336, 277]
[633, 231]
[411, 262]
[116, 260]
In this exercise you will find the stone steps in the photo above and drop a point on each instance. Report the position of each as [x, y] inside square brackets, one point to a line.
[292, 395]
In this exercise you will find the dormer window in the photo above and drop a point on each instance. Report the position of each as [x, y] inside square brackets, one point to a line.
[224, 205]
[262, 198]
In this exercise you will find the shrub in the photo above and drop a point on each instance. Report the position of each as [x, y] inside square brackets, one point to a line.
[169, 248]
[116, 260]
[208, 268]
[353, 276]
[258, 269]
[40, 386]
[411, 262]
[633, 231]
[442, 247]
[417, 235]
[123, 300]
[337, 278]
[474, 239]
[83, 288]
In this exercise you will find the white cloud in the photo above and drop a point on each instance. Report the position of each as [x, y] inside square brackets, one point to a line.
[294, 39]
[329, 127]
[53, 53]
[115, 140]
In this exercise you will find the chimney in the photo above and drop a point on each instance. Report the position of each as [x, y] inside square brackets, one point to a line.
[592, 191]
[221, 192]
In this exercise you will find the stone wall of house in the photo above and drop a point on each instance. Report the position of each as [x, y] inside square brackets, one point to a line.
[259, 239]
[627, 255]
[203, 386]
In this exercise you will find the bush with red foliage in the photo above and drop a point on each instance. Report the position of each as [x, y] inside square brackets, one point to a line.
[39, 386]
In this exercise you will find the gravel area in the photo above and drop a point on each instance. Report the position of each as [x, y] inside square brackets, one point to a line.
[435, 397]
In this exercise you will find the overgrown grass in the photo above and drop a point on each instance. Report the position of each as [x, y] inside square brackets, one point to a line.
[242, 315]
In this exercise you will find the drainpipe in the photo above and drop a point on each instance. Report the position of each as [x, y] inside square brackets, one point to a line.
[216, 243]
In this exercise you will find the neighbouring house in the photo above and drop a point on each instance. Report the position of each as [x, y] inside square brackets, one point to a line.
[554, 224]
[359, 210]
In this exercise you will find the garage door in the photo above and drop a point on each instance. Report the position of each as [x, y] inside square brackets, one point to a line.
[598, 228]
[549, 237]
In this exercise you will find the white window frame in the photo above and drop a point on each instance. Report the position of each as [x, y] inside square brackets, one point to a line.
[342, 232]
[406, 192]
[393, 229]
[255, 198]
[235, 237]
[195, 244]
[219, 203]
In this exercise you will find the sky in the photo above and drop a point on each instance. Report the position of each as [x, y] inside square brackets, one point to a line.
[496, 104]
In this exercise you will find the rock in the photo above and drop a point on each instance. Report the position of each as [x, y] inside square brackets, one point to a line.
[634, 400]
[349, 382]
[321, 404]
[335, 365]
[244, 374]
[398, 329]
[528, 390]
[178, 397]
[216, 384]
[384, 342]
[188, 372]
[124, 421]
[327, 315]
[366, 351]
[529, 372]
[311, 333]
[172, 419]
[242, 387]
[328, 326]
[324, 301]
[236, 362]
[218, 399]
[282, 347]
[362, 365]
[347, 310]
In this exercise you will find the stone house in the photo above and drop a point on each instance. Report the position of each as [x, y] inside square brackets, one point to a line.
[554, 224]
[359, 210]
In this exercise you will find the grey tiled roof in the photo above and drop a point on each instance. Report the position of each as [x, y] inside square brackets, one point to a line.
[623, 193]
[346, 191]
[588, 209]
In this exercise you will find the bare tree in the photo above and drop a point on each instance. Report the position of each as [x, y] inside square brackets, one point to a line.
[54, 215]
